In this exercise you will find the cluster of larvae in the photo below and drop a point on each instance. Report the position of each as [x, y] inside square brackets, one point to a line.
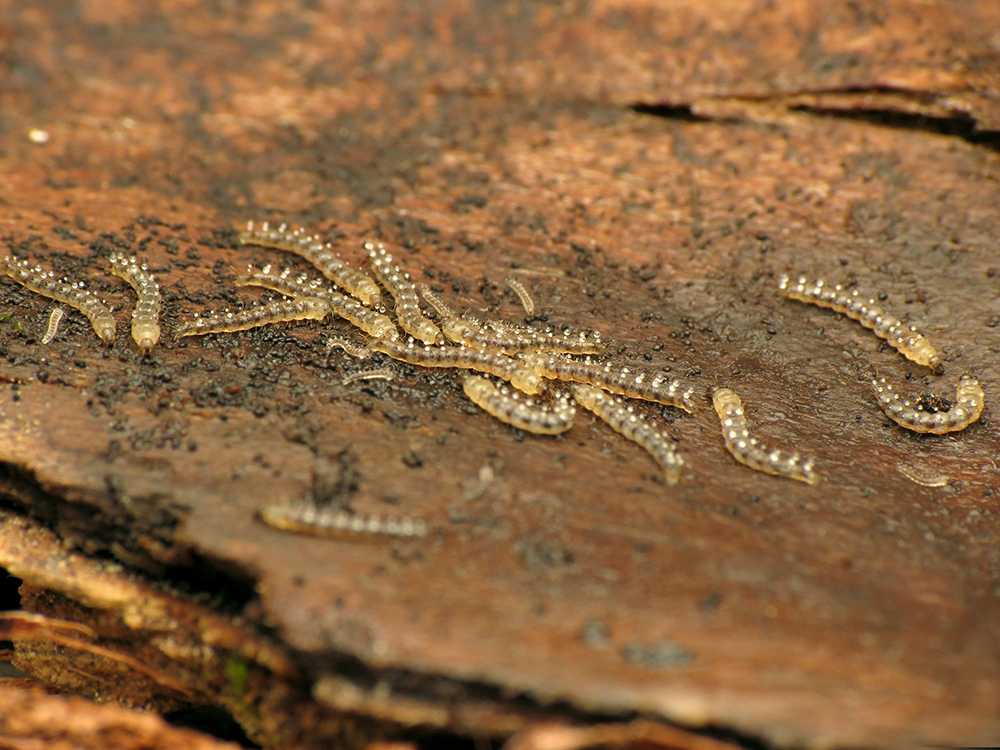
[513, 366]
[145, 316]
[928, 413]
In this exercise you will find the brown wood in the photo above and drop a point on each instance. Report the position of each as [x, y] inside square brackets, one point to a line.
[487, 139]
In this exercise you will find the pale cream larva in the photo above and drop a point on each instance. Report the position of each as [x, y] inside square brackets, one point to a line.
[932, 413]
[44, 282]
[905, 339]
[748, 451]
[146, 313]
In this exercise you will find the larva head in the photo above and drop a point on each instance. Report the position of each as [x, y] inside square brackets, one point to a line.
[427, 332]
[455, 329]
[105, 331]
[527, 381]
[146, 337]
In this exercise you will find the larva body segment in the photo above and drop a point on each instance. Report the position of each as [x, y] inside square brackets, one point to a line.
[623, 382]
[273, 312]
[622, 419]
[55, 318]
[514, 410]
[522, 294]
[905, 339]
[373, 323]
[462, 358]
[45, 283]
[933, 414]
[320, 254]
[408, 313]
[748, 451]
[146, 314]
[337, 524]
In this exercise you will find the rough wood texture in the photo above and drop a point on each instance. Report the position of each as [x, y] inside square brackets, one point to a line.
[485, 137]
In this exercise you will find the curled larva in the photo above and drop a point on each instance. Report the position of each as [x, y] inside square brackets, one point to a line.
[273, 312]
[905, 339]
[398, 284]
[932, 413]
[522, 294]
[523, 413]
[55, 318]
[622, 419]
[320, 254]
[623, 381]
[748, 451]
[462, 358]
[373, 323]
[338, 524]
[45, 283]
[146, 314]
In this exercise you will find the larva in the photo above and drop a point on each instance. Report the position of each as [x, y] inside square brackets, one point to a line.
[906, 339]
[320, 254]
[440, 306]
[748, 451]
[623, 382]
[398, 284]
[273, 312]
[382, 373]
[349, 347]
[44, 282]
[504, 337]
[55, 318]
[514, 410]
[146, 314]
[308, 519]
[622, 419]
[522, 294]
[508, 338]
[373, 323]
[933, 413]
[462, 358]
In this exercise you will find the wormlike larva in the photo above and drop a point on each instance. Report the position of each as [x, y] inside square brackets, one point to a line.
[522, 294]
[45, 283]
[440, 306]
[504, 337]
[349, 347]
[398, 284]
[320, 254]
[748, 451]
[622, 419]
[623, 382]
[523, 413]
[55, 318]
[146, 314]
[462, 358]
[383, 373]
[273, 312]
[933, 413]
[373, 323]
[337, 524]
[508, 338]
[905, 339]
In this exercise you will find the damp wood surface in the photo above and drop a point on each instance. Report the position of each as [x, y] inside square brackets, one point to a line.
[645, 173]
